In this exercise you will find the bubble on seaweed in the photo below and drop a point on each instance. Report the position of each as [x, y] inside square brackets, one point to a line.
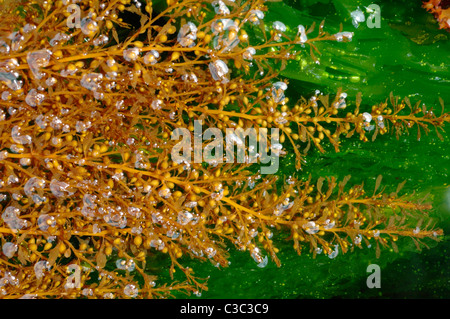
[37, 60]
[131, 54]
[19, 138]
[9, 249]
[278, 89]
[45, 221]
[88, 26]
[187, 35]
[91, 81]
[219, 71]
[11, 217]
[40, 267]
[34, 98]
[131, 291]
[220, 7]
[151, 57]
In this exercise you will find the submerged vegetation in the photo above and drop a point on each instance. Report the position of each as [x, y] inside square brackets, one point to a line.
[90, 192]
